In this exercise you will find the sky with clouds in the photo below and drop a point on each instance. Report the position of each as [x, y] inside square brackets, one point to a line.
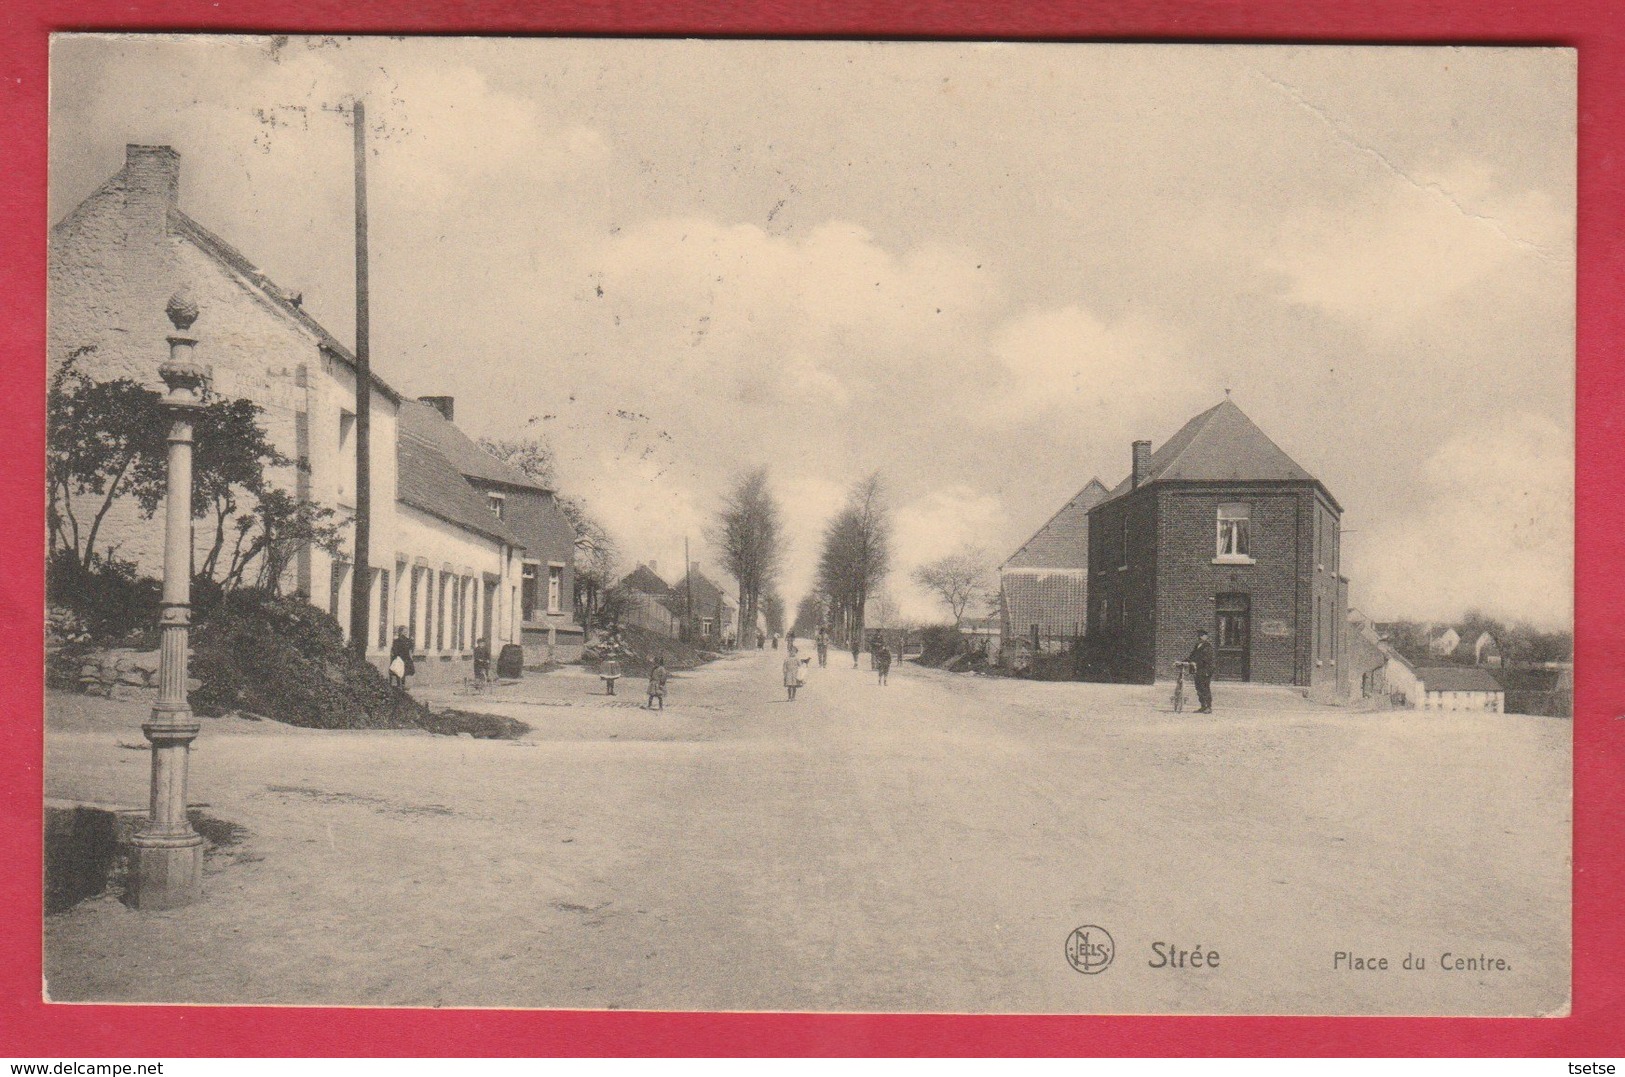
[980, 269]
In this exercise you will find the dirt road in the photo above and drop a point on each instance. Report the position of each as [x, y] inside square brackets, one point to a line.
[926, 846]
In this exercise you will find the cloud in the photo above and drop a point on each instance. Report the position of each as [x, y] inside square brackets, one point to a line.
[1071, 361]
[1494, 529]
[1413, 243]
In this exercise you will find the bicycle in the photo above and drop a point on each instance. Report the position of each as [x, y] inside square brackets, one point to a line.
[1180, 669]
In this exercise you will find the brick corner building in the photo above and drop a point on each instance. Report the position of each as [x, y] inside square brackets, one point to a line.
[1220, 529]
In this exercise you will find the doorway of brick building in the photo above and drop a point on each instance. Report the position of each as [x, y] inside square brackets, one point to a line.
[1232, 637]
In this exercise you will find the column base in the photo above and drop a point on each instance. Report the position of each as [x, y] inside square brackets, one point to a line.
[167, 875]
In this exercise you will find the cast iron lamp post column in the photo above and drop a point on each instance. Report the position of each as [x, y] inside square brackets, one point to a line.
[168, 869]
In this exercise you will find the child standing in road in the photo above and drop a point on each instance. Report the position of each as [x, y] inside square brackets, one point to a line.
[657, 685]
[882, 660]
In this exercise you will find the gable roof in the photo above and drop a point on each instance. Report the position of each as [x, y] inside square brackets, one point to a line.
[531, 512]
[1063, 541]
[1457, 679]
[535, 516]
[427, 481]
[1221, 445]
[423, 421]
[644, 580]
[237, 262]
[706, 595]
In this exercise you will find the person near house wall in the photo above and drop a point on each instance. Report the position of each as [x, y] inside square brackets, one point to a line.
[400, 658]
[1201, 657]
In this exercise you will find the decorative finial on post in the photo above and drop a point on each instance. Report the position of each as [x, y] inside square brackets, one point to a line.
[168, 852]
[186, 380]
[182, 309]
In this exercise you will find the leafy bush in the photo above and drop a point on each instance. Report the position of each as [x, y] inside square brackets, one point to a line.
[285, 659]
[111, 601]
[939, 643]
[67, 642]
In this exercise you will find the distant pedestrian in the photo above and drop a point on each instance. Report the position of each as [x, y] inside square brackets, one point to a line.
[657, 685]
[775, 641]
[794, 677]
[610, 671]
[882, 659]
[1201, 657]
[822, 646]
[400, 658]
[482, 659]
[761, 643]
[857, 649]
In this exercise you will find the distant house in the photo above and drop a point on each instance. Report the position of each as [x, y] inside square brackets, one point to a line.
[1366, 658]
[530, 511]
[1442, 641]
[712, 618]
[1403, 683]
[1044, 586]
[1460, 688]
[648, 602]
[1220, 530]
[1486, 650]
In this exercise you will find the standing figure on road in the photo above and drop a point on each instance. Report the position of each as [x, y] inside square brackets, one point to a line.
[882, 659]
[823, 648]
[400, 658]
[792, 671]
[1201, 657]
[657, 685]
[857, 647]
[482, 660]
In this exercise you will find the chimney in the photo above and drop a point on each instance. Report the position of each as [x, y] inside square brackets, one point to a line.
[1142, 464]
[445, 405]
[152, 172]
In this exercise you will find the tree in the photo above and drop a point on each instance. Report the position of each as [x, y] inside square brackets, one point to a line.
[773, 613]
[749, 534]
[856, 554]
[959, 580]
[596, 555]
[810, 614]
[103, 440]
[109, 440]
[271, 536]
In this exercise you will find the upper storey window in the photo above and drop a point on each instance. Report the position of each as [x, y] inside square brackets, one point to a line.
[1234, 542]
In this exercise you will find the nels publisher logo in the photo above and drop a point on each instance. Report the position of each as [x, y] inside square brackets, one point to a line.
[1090, 949]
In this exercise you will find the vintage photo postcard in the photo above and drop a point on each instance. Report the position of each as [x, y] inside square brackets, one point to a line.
[810, 526]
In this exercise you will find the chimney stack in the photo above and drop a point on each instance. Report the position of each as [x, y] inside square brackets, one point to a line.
[1142, 464]
[152, 172]
[443, 404]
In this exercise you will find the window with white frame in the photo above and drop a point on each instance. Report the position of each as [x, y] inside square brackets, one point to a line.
[527, 591]
[1235, 541]
[555, 588]
[346, 476]
[496, 501]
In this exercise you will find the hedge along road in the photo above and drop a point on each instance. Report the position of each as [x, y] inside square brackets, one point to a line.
[929, 845]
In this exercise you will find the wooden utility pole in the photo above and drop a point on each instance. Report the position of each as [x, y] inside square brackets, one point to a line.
[688, 593]
[361, 575]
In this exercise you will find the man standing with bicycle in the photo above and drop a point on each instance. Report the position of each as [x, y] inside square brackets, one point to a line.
[1201, 660]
